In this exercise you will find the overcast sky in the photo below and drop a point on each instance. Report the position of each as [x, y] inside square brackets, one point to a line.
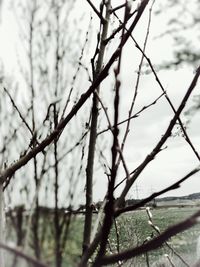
[175, 161]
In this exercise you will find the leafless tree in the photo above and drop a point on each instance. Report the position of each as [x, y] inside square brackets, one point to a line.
[56, 119]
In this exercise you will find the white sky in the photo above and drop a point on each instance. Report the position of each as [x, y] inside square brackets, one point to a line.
[172, 163]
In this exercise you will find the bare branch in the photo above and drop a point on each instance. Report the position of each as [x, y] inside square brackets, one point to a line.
[18, 111]
[93, 132]
[156, 194]
[163, 139]
[118, 7]
[96, 11]
[62, 124]
[109, 207]
[169, 101]
[153, 244]
[136, 115]
[163, 90]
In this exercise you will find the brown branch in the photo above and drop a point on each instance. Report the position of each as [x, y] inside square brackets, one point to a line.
[167, 98]
[62, 124]
[164, 92]
[156, 194]
[153, 244]
[163, 139]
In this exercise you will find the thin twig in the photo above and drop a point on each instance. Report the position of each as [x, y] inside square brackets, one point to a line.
[156, 194]
[137, 83]
[136, 115]
[96, 11]
[168, 100]
[118, 7]
[162, 141]
[18, 111]
[112, 36]
[77, 70]
[111, 128]
[166, 96]
[62, 124]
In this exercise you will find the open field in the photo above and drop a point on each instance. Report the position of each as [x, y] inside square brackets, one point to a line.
[133, 229]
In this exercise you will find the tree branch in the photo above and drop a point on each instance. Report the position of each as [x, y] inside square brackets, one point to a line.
[97, 12]
[156, 194]
[153, 244]
[62, 124]
[163, 139]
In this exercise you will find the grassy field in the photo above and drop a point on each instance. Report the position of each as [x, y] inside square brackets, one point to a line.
[133, 229]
